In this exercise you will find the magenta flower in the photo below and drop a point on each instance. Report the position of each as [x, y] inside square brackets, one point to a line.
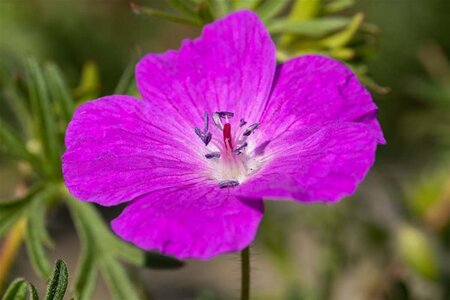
[219, 129]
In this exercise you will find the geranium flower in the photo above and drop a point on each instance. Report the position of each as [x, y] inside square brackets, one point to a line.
[219, 129]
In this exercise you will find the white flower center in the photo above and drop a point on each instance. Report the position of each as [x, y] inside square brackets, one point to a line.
[231, 158]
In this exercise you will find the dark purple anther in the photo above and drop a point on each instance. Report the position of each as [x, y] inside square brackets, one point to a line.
[207, 138]
[199, 133]
[239, 148]
[206, 122]
[242, 122]
[225, 114]
[213, 155]
[228, 183]
[250, 129]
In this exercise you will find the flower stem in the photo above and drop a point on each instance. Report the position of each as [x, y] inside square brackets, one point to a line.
[245, 274]
[10, 248]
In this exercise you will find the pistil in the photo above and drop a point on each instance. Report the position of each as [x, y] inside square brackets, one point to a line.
[227, 136]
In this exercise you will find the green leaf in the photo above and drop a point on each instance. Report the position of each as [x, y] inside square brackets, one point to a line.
[32, 292]
[86, 277]
[89, 85]
[59, 90]
[301, 11]
[12, 145]
[311, 28]
[11, 211]
[17, 290]
[338, 5]
[158, 261]
[57, 285]
[343, 37]
[100, 249]
[184, 6]
[37, 235]
[305, 9]
[44, 115]
[247, 4]
[205, 13]
[219, 8]
[17, 102]
[126, 80]
[117, 280]
[164, 15]
[270, 9]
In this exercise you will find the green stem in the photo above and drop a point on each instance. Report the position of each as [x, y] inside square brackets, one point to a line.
[245, 274]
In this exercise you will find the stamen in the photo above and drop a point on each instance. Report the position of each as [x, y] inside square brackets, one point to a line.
[207, 138]
[206, 122]
[239, 148]
[199, 133]
[242, 122]
[217, 121]
[228, 183]
[225, 114]
[213, 155]
[250, 129]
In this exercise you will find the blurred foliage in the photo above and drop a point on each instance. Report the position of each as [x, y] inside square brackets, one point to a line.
[56, 288]
[41, 95]
[390, 241]
[298, 27]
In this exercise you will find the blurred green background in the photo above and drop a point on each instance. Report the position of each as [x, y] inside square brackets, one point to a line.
[389, 241]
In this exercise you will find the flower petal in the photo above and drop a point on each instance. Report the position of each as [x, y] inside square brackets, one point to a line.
[321, 163]
[119, 148]
[317, 90]
[318, 134]
[229, 68]
[200, 222]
